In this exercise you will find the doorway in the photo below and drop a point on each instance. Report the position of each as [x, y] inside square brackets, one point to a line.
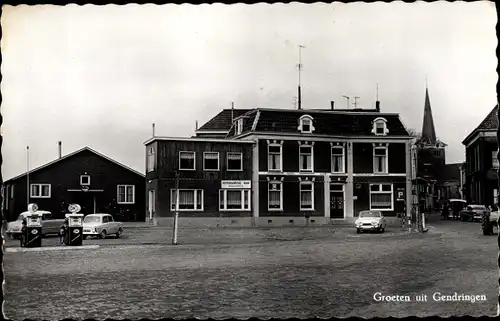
[151, 204]
[337, 200]
[88, 202]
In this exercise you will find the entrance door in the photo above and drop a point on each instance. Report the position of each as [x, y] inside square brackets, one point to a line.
[151, 204]
[85, 200]
[337, 200]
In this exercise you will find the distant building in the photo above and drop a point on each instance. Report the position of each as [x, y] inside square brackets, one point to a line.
[481, 183]
[451, 179]
[431, 159]
[326, 163]
[94, 181]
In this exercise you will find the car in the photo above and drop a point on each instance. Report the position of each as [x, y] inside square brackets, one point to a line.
[489, 222]
[101, 225]
[49, 224]
[473, 213]
[370, 221]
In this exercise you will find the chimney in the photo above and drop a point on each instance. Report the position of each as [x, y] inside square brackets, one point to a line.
[332, 105]
[377, 105]
[153, 129]
[59, 143]
[196, 125]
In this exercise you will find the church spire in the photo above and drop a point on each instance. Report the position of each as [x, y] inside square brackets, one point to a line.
[428, 130]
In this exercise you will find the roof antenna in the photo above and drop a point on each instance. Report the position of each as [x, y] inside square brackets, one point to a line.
[356, 102]
[300, 68]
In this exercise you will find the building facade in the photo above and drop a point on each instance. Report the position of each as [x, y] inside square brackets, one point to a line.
[94, 181]
[213, 177]
[481, 182]
[326, 164]
[452, 181]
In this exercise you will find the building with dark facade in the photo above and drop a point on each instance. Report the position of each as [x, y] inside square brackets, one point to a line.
[328, 164]
[94, 181]
[481, 183]
[431, 160]
[451, 181]
[213, 176]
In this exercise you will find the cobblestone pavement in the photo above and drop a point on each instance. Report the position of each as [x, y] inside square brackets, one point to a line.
[284, 274]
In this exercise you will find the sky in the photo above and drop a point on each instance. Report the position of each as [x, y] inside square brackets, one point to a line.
[100, 76]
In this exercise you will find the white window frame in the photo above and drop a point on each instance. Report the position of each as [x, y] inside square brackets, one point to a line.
[342, 170]
[378, 121]
[40, 190]
[173, 198]
[81, 180]
[382, 192]
[386, 163]
[218, 161]
[126, 187]
[495, 196]
[269, 190]
[239, 127]
[241, 162]
[194, 160]
[280, 163]
[494, 159]
[311, 124]
[312, 158]
[151, 161]
[223, 206]
[312, 195]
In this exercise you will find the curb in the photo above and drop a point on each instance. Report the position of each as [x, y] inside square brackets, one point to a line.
[51, 248]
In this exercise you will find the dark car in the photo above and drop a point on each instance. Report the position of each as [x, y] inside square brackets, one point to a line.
[473, 213]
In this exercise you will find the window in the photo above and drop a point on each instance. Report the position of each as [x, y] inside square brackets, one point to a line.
[306, 196]
[274, 157]
[189, 200]
[275, 202]
[234, 199]
[380, 127]
[495, 196]
[187, 161]
[40, 190]
[381, 197]
[151, 159]
[12, 191]
[85, 180]
[234, 161]
[306, 158]
[211, 161]
[126, 194]
[337, 159]
[380, 160]
[494, 159]
[306, 124]
[239, 126]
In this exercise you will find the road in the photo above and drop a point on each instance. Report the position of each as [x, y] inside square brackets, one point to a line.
[281, 273]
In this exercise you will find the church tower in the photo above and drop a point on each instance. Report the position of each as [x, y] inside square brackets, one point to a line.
[431, 160]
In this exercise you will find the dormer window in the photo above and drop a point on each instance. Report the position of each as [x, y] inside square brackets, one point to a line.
[380, 127]
[239, 126]
[306, 124]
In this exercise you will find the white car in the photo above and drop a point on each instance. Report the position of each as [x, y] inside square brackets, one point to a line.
[370, 221]
[49, 224]
[101, 225]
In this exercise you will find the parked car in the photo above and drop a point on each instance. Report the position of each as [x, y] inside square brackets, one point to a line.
[489, 222]
[455, 207]
[101, 225]
[49, 224]
[370, 221]
[473, 213]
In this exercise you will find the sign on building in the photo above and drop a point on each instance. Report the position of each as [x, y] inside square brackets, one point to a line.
[236, 184]
[400, 194]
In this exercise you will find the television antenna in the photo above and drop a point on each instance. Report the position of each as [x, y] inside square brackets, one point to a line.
[356, 101]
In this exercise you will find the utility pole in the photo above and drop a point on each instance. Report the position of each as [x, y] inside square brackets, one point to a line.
[300, 68]
[356, 101]
[176, 217]
[28, 174]
[346, 97]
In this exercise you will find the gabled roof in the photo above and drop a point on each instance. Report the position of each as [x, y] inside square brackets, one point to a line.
[73, 154]
[326, 122]
[489, 123]
[222, 121]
